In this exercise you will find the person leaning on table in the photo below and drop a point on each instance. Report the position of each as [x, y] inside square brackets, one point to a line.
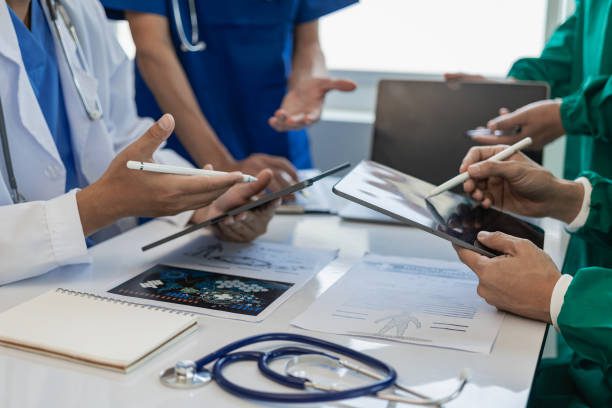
[72, 170]
[525, 281]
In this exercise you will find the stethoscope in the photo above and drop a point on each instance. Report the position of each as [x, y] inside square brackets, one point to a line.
[188, 374]
[57, 10]
[93, 108]
[195, 45]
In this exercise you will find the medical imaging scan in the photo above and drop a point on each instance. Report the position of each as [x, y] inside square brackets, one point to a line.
[448, 215]
[208, 290]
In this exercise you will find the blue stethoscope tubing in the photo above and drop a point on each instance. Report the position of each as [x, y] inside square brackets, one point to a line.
[228, 355]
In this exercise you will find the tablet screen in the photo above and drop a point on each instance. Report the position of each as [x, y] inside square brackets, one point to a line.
[448, 215]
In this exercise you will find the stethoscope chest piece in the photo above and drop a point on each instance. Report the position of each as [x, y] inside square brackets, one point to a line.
[185, 376]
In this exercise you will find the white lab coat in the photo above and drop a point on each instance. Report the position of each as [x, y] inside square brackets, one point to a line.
[46, 232]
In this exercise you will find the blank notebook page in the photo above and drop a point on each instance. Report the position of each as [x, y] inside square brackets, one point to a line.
[91, 329]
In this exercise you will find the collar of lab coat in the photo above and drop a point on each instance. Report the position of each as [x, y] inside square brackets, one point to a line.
[30, 114]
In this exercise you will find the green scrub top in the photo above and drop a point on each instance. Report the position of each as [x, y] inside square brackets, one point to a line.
[584, 377]
[577, 63]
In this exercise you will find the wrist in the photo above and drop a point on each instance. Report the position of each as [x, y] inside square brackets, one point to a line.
[568, 200]
[96, 210]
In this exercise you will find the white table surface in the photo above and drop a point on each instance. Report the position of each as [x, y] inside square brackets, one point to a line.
[502, 378]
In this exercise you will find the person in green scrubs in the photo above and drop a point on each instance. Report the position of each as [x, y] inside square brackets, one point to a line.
[577, 64]
[526, 282]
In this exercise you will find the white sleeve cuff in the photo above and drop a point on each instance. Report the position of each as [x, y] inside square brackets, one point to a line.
[585, 209]
[558, 295]
[65, 229]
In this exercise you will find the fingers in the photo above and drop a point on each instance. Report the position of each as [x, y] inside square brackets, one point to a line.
[461, 76]
[478, 154]
[338, 84]
[245, 191]
[283, 122]
[504, 243]
[472, 259]
[204, 184]
[247, 226]
[148, 143]
[282, 164]
[508, 121]
[508, 170]
[496, 140]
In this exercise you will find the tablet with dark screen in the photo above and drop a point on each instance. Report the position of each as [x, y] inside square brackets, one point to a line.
[450, 216]
[263, 200]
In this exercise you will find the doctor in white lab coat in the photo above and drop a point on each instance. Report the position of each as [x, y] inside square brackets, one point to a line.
[50, 229]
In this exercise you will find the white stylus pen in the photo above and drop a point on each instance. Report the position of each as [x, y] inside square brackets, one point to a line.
[461, 178]
[167, 169]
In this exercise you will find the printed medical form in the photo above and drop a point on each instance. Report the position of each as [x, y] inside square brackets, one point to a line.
[410, 300]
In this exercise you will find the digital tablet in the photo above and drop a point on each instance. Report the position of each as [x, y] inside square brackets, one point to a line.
[249, 206]
[451, 216]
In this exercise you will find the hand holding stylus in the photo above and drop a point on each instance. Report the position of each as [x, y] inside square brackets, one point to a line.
[519, 185]
[502, 154]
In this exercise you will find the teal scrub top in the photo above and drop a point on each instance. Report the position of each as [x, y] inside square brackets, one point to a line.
[241, 77]
[38, 53]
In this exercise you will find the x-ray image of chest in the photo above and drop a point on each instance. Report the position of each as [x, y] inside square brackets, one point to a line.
[208, 290]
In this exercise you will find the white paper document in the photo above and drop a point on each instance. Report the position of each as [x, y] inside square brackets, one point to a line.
[236, 281]
[412, 300]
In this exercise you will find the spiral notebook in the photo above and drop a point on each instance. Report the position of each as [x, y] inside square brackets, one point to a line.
[93, 330]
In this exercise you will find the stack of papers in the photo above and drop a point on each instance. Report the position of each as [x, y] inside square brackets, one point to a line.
[412, 300]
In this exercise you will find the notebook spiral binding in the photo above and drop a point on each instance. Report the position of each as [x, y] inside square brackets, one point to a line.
[122, 302]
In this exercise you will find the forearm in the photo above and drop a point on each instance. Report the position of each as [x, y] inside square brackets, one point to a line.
[567, 200]
[167, 80]
[308, 59]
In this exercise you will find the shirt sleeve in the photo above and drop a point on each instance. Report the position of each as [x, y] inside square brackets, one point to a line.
[44, 235]
[115, 8]
[598, 227]
[310, 10]
[588, 111]
[556, 62]
[585, 208]
[585, 321]
[557, 298]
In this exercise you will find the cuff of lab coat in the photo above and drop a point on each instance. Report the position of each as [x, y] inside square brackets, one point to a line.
[65, 230]
[585, 209]
[558, 295]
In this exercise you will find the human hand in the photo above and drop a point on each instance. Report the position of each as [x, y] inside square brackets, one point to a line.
[122, 192]
[521, 281]
[248, 225]
[462, 76]
[303, 103]
[284, 174]
[519, 185]
[539, 120]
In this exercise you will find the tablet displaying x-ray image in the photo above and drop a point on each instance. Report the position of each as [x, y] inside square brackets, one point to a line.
[450, 216]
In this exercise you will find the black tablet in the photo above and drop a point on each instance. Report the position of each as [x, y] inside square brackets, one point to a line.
[249, 206]
[451, 216]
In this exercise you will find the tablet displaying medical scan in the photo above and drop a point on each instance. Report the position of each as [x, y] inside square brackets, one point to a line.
[450, 216]
[263, 200]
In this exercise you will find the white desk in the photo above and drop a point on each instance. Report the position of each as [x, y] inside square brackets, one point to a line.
[28, 380]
